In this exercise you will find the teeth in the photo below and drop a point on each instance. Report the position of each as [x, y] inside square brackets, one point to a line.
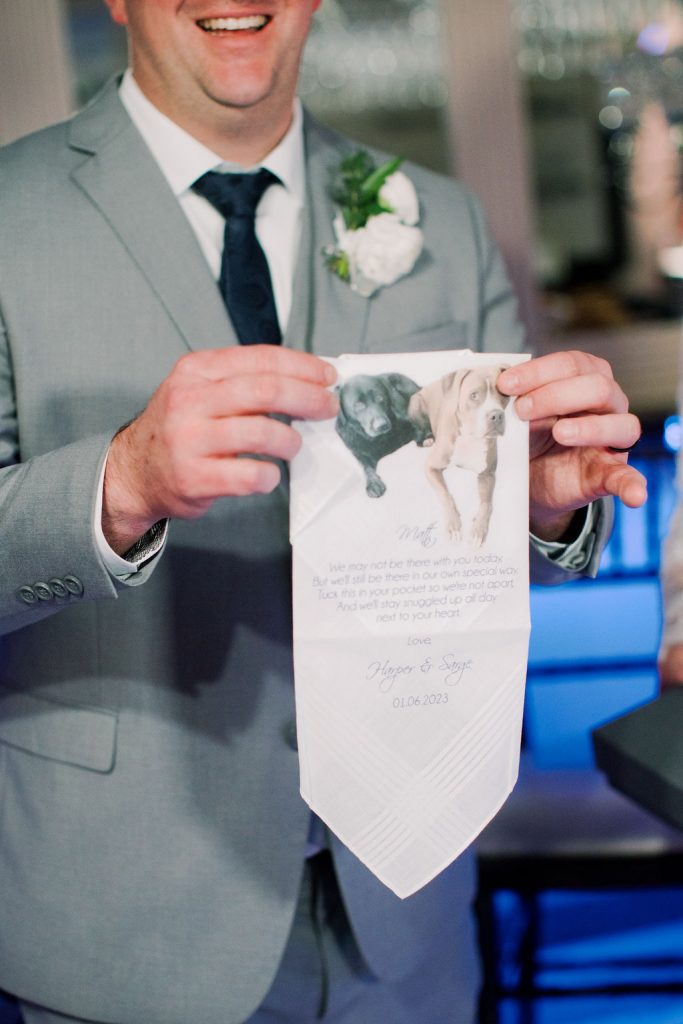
[233, 24]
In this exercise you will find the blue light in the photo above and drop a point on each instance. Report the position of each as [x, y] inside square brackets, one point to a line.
[672, 434]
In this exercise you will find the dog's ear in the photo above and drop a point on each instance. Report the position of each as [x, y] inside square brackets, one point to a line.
[497, 370]
[417, 411]
[434, 396]
[425, 404]
[399, 390]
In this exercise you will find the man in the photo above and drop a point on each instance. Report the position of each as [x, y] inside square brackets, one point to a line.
[153, 838]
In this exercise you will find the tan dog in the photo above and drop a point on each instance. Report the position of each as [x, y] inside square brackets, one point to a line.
[466, 413]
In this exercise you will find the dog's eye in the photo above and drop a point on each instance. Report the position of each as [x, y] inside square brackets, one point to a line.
[475, 396]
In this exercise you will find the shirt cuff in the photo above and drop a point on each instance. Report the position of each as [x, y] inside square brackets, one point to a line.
[576, 555]
[142, 552]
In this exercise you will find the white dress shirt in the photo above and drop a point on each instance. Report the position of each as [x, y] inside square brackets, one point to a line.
[182, 159]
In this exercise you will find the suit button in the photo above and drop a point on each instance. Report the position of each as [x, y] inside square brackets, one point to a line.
[58, 587]
[290, 736]
[43, 591]
[73, 585]
[27, 595]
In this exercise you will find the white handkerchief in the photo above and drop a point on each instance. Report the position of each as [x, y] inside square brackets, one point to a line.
[409, 526]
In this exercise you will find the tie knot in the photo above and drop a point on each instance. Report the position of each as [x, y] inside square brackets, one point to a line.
[235, 195]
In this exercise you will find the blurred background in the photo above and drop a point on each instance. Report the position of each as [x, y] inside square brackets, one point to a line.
[566, 117]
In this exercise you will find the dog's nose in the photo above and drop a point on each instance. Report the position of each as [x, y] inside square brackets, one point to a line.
[495, 419]
[379, 425]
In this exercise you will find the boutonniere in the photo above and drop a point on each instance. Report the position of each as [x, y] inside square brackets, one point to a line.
[378, 241]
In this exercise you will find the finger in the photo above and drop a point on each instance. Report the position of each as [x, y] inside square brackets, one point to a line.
[236, 477]
[223, 363]
[608, 431]
[192, 487]
[556, 366]
[250, 435]
[182, 402]
[617, 478]
[590, 393]
[268, 393]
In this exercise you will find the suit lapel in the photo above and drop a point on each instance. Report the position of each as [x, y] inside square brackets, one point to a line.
[120, 176]
[122, 179]
[327, 317]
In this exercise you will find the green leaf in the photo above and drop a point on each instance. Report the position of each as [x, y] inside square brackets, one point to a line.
[355, 218]
[357, 165]
[373, 184]
[343, 268]
[355, 187]
[338, 263]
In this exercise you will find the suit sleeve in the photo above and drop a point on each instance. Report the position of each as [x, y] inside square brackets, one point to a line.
[49, 559]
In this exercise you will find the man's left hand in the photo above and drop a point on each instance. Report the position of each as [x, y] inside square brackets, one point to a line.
[577, 415]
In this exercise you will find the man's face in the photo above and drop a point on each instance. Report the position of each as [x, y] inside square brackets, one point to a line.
[193, 57]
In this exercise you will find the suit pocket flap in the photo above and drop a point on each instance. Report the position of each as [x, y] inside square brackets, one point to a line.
[60, 732]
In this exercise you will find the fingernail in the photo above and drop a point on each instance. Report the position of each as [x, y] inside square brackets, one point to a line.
[523, 407]
[566, 432]
[330, 374]
[511, 380]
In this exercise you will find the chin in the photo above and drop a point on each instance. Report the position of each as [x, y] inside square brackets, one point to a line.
[243, 95]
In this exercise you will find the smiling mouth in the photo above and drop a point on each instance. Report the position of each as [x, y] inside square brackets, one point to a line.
[249, 23]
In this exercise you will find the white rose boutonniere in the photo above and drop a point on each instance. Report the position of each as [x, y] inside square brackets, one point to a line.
[378, 241]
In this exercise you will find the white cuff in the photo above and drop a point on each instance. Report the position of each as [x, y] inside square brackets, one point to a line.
[574, 556]
[145, 550]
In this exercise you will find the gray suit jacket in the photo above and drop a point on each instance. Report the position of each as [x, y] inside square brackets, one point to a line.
[152, 830]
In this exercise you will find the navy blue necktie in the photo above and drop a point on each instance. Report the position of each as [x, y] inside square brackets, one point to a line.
[245, 278]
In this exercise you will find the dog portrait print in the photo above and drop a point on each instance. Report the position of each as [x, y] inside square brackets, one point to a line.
[374, 421]
[465, 413]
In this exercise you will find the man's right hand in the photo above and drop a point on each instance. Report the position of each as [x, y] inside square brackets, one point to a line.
[188, 447]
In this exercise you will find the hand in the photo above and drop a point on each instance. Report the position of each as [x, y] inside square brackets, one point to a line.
[671, 667]
[577, 413]
[187, 448]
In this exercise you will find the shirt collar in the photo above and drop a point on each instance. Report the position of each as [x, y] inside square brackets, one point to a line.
[183, 159]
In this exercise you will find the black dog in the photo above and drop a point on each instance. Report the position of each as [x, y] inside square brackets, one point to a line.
[373, 421]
